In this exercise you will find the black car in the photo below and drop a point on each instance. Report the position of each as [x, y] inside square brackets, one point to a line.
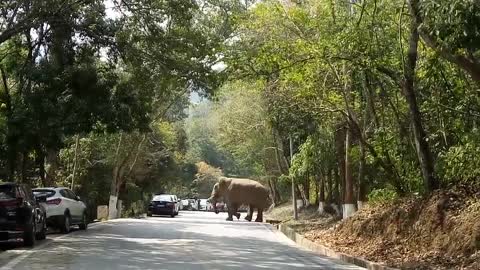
[21, 216]
[162, 205]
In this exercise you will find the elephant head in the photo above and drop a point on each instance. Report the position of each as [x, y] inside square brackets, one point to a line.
[217, 193]
[214, 198]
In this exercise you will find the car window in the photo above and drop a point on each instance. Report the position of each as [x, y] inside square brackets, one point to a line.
[162, 198]
[64, 193]
[7, 192]
[72, 194]
[44, 192]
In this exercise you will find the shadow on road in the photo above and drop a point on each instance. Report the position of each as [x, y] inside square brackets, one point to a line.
[165, 243]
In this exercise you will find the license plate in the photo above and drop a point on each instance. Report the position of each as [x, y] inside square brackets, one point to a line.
[161, 206]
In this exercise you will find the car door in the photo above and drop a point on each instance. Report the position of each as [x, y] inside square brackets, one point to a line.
[77, 206]
[69, 202]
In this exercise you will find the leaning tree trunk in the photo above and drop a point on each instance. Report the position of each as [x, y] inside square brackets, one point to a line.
[408, 85]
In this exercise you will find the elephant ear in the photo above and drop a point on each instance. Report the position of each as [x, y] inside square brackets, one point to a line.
[222, 182]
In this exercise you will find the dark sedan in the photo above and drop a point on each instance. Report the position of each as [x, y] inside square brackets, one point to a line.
[161, 205]
[21, 216]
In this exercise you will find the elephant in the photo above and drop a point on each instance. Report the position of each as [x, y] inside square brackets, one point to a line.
[237, 191]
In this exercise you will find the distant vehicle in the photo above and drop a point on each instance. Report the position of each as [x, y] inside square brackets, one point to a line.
[203, 205]
[64, 208]
[194, 204]
[177, 202]
[21, 215]
[186, 205]
[162, 205]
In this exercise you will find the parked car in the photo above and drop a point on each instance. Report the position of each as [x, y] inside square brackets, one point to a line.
[178, 204]
[162, 205]
[203, 205]
[64, 208]
[194, 204]
[186, 205]
[21, 215]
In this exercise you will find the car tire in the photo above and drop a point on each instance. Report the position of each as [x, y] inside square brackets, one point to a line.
[43, 233]
[173, 215]
[29, 234]
[84, 224]
[66, 223]
[149, 214]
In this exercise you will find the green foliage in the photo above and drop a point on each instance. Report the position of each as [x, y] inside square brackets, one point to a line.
[384, 195]
[461, 163]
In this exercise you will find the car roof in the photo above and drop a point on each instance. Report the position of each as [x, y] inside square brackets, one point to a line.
[51, 188]
[9, 184]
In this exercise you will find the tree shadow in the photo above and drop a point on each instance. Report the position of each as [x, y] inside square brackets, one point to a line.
[158, 244]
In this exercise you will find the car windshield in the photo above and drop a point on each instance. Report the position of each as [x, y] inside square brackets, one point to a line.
[43, 192]
[7, 192]
[162, 198]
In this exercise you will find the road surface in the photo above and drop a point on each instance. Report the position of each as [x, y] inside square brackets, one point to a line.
[192, 240]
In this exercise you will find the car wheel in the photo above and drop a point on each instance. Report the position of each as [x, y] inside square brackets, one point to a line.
[84, 224]
[173, 214]
[149, 214]
[29, 234]
[43, 233]
[65, 227]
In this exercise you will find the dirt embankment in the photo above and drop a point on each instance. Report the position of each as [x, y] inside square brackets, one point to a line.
[441, 231]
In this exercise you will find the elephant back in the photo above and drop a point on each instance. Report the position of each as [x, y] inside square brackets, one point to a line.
[246, 191]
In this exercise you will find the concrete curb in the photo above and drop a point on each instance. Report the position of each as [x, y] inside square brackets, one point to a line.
[322, 250]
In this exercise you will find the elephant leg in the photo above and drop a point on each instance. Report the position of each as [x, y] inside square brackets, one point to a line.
[235, 211]
[259, 215]
[230, 212]
[250, 213]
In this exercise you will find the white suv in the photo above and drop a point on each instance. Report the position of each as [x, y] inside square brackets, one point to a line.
[64, 208]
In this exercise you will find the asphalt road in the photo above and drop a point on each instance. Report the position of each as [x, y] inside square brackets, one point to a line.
[192, 240]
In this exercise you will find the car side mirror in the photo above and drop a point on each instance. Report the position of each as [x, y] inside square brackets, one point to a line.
[77, 198]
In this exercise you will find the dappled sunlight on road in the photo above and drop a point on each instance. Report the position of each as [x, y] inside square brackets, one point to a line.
[193, 240]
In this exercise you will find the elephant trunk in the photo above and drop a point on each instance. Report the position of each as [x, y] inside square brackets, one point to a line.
[213, 201]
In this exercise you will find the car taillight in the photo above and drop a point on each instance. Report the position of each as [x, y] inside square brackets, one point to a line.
[169, 204]
[55, 201]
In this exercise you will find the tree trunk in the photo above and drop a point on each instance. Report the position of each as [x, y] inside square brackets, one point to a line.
[51, 167]
[337, 200]
[74, 174]
[321, 195]
[340, 153]
[278, 196]
[349, 200]
[329, 186]
[306, 190]
[421, 144]
[112, 204]
[23, 170]
[361, 185]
